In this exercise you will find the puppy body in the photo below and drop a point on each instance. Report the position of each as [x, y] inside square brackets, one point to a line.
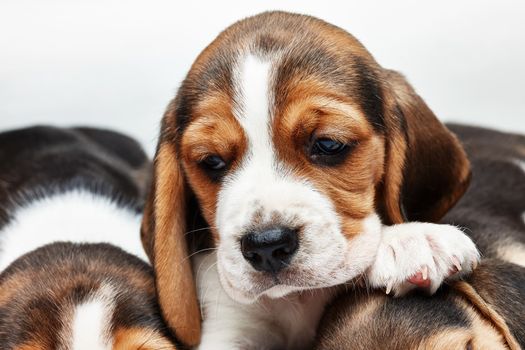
[493, 209]
[73, 274]
[451, 319]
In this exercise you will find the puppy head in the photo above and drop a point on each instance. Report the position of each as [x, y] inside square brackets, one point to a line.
[70, 296]
[292, 141]
[480, 315]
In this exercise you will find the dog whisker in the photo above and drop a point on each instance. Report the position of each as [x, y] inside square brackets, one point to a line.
[198, 252]
[199, 229]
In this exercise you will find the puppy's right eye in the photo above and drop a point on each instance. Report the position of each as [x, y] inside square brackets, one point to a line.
[214, 163]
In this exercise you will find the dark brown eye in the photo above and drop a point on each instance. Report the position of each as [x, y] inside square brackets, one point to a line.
[214, 162]
[214, 166]
[328, 147]
[469, 345]
[329, 152]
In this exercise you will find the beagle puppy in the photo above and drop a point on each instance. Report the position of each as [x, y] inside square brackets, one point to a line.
[290, 162]
[484, 312]
[73, 274]
[493, 208]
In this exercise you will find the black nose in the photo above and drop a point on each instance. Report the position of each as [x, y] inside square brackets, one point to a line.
[270, 250]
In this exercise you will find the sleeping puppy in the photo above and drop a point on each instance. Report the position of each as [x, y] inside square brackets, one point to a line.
[283, 157]
[487, 312]
[73, 274]
[493, 209]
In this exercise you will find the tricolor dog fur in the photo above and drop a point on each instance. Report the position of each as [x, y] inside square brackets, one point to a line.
[73, 274]
[290, 162]
[483, 312]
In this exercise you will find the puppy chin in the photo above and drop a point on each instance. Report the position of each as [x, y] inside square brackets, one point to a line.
[231, 288]
[252, 296]
[280, 291]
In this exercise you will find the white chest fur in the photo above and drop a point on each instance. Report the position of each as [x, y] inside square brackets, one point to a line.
[284, 323]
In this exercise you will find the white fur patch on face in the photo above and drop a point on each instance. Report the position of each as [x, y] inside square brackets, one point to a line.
[261, 189]
[91, 322]
[75, 216]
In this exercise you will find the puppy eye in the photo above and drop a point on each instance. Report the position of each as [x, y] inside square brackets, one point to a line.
[328, 147]
[328, 152]
[214, 163]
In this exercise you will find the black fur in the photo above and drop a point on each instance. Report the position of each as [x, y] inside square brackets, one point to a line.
[40, 308]
[403, 323]
[38, 161]
[491, 210]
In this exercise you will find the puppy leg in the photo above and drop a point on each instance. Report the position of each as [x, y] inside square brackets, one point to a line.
[422, 255]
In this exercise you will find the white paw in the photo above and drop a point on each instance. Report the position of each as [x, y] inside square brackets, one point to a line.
[423, 255]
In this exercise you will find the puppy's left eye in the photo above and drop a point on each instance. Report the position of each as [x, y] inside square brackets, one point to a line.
[328, 147]
[329, 152]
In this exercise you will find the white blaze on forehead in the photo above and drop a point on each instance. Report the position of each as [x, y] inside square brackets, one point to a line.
[253, 97]
[257, 173]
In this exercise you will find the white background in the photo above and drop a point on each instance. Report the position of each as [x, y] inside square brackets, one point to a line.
[116, 64]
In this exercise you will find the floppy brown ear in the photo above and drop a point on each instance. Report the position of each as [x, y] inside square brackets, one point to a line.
[427, 170]
[163, 236]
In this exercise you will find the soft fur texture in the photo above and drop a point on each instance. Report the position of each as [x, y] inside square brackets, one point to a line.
[488, 311]
[451, 319]
[72, 216]
[255, 102]
[73, 274]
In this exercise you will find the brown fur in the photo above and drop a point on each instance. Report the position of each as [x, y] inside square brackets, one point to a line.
[29, 346]
[175, 284]
[215, 131]
[435, 168]
[350, 185]
[49, 283]
[140, 339]
[484, 313]
[403, 154]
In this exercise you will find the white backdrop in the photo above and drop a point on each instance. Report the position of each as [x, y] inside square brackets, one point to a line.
[117, 63]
